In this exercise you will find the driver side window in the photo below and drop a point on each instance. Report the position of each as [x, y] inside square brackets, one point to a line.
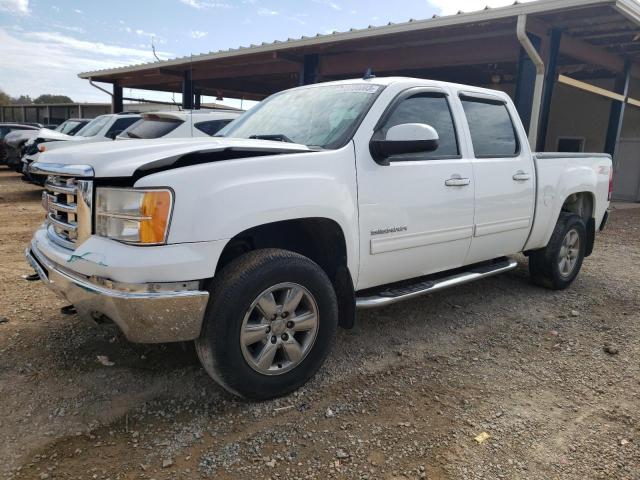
[432, 109]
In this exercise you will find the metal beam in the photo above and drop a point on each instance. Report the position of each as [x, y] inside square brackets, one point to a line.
[525, 83]
[603, 92]
[616, 115]
[486, 51]
[117, 105]
[549, 84]
[187, 90]
[310, 70]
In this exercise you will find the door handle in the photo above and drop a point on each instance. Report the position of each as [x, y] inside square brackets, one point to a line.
[521, 176]
[457, 181]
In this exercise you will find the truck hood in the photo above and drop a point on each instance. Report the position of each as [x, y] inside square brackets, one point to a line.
[137, 158]
[47, 134]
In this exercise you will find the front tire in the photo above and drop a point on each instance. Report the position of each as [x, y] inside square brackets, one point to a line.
[557, 265]
[270, 324]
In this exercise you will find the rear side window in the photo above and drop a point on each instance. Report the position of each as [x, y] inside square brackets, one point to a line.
[432, 109]
[153, 127]
[492, 130]
[211, 127]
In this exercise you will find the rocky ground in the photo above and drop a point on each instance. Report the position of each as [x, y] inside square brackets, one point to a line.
[498, 379]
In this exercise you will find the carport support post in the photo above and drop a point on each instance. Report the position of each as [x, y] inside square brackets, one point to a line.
[549, 84]
[187, 91]
[309, 70]
[616, 116]
[525, 84]
[116, 101]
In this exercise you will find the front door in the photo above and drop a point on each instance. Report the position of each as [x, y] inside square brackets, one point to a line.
[416, 213]
[504, 180]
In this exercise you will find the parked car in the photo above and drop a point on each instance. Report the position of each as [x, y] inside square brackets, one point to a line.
[7, 128]
[16, 141]
[322, 199]
[100, 129]
[180, 124]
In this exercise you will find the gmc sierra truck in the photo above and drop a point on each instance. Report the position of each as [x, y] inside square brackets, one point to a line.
[322, 199]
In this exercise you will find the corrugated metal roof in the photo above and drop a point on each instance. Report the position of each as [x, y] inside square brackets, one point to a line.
[630, 8]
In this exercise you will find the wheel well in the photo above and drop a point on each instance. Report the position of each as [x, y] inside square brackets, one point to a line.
[582, 204]
[319, 239]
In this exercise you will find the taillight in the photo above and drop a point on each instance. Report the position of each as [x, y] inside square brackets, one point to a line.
[610, 183]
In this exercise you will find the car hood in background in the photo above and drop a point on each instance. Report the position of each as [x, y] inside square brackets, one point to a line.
[17, 137]
[47, 134]
[140, 157]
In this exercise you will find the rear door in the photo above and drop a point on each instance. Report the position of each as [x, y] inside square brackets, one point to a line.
[504, 178]
[416, 213]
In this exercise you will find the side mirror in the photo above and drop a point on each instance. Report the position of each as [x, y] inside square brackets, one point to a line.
[114, 134]
[404, 138]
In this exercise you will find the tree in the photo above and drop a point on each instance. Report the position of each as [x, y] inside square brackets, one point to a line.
[22, 100]
[49, 98]
[4, 98]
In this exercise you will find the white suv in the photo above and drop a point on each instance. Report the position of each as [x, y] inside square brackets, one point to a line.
[177, 124]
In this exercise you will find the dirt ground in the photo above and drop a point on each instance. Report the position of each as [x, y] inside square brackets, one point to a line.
[553, 378]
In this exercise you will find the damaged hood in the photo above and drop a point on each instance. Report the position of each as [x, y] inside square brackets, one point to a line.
[47, 134]
[141, 157]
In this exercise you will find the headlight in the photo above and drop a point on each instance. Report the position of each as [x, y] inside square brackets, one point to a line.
[134, 216]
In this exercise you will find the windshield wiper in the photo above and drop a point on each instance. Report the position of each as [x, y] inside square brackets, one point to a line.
[132, 135]
[277, 137]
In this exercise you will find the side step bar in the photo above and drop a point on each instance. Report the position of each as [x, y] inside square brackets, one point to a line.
[393, 295]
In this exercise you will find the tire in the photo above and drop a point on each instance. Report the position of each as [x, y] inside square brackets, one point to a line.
[556, 267]
[234, 316]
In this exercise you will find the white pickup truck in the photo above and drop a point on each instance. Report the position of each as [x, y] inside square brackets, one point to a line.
[320, 200]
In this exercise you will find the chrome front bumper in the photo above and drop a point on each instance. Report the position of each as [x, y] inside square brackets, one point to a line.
[146, 313]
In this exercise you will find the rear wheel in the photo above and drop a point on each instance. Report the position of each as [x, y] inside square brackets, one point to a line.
[269, 325]
[557, 265]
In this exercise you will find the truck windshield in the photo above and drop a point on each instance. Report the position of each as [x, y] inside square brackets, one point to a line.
[322, 116]
[92, 128]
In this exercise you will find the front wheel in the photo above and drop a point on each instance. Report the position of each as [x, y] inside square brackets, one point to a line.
[557, 265]
[270, 323]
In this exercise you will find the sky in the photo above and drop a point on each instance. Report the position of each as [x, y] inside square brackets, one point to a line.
[45, 44]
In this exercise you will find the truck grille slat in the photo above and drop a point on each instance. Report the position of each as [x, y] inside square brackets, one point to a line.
[64, 226]
[57, 188]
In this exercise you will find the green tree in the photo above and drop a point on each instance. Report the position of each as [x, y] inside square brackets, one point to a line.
[4, 98]
[49, 98]
[22, 100]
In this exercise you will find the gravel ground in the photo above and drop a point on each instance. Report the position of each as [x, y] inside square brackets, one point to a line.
[498, 379]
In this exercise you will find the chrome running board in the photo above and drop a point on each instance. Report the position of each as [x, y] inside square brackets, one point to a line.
[390, 294]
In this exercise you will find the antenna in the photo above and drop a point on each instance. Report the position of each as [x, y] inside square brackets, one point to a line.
[368, 74]
[153, 49]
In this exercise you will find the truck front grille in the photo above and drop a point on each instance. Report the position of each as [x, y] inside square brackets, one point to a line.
[68, 202]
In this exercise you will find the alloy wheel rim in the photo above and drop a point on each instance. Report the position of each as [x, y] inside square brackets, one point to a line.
[279, 329]
[569, 253]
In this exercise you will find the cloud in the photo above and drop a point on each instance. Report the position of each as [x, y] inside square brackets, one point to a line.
[330, 4]
[265, 12]
[451, 7]
[48, 62]
[198, 34]
[203, 4]
[16, 7]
